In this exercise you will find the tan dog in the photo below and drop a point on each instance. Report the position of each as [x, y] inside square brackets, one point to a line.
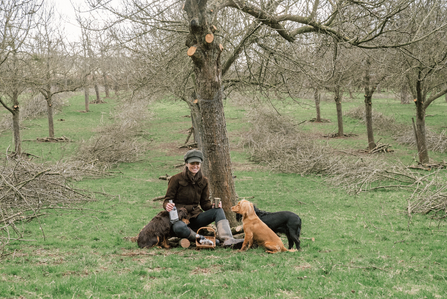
[256, 230]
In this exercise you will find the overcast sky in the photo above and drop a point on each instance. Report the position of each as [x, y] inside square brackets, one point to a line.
[65, 8]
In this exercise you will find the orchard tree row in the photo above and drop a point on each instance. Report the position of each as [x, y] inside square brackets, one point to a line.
[200, 51]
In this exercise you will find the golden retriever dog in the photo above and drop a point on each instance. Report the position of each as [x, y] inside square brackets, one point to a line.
[256, 230]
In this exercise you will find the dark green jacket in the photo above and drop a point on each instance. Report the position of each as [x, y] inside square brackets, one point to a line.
[189, 194]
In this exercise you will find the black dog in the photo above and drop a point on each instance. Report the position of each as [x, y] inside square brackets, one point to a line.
[284, 222]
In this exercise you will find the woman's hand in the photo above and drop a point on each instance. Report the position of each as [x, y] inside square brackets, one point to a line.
[220, 204]
[170, 206]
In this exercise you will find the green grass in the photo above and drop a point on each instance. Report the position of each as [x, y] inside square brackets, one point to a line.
[364, 246]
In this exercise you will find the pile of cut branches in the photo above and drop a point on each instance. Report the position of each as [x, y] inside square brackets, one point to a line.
[26, 189]
[121, 141]
[435, 142]
[430, 196]
[372, 173]
[380, 121]
[275, 141]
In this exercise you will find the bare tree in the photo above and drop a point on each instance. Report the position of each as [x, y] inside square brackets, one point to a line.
[53, 63]
[424, 66]
[17, 20]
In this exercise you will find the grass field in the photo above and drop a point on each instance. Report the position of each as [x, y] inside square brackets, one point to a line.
[362, 246]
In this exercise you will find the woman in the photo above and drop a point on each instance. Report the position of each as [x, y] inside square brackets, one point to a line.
[189, 190]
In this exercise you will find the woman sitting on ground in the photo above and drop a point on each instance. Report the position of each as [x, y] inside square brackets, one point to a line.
[189, 189]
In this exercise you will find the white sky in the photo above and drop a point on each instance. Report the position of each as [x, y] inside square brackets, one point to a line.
[66, 10]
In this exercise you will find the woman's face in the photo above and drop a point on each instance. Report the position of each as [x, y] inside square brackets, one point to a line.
[193, 167]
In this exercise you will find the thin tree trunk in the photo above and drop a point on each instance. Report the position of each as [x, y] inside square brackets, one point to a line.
[106, 85]
[420, 125]
[369, 121]
[205, 54]
[49, 100]
[196, 119]
[338, 98]
[16, 124]
[317, 104]
[98, 100]
[86, 98]
[404, 95]
[368, 105]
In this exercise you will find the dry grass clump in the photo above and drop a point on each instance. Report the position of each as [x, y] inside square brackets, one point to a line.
[275, 141]
[435, 142]
[27, 188]
[381, 122]
[121, 141]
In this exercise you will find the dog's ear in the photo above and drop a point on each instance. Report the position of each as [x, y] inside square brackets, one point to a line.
[247, 208]
[251, 209]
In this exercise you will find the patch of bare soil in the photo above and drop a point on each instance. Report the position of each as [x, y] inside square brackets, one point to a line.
[322, 120]
[53, 139]
[335, 135]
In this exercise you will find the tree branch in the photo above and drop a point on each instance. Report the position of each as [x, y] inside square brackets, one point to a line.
[4, 105]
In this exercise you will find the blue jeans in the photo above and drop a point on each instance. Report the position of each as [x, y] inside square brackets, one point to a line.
[182, 230]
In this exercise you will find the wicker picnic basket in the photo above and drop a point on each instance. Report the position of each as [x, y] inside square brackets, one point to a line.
[212, 238]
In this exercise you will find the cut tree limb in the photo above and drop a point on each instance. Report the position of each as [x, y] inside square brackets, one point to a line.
[191, 51]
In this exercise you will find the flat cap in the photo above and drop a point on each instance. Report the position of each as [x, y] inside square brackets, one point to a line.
[193, 155]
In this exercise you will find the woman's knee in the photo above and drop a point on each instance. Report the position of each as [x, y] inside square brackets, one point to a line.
[180, 229]
[220, 215]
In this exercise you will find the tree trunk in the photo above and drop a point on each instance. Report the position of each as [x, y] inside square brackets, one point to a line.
[317, 104]
[368, 105]
[196, 119]
[404, 95]
[86, 98]
[205, 53]
[106, 85]
[420, 124]
[337, 98]
[369, 121]
[49, 100]
[98, 100]
[16, 124]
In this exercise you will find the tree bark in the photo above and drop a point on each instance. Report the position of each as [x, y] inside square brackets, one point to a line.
[317, 104]
[369, 121]
[338, 98]
[368, 105]
[49, 100]
[420, 124]
[106, 85]
[16, 125]
[86, 98]
[207, 69]
[98, 100]
[404, 95]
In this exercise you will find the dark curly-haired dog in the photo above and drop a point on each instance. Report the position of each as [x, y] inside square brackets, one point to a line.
[284, 222]
[158, 230]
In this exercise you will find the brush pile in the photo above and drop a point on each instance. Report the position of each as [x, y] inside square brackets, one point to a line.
[435, 142]
[430, 196]
[121, 141]
[371, 173]
[381, 122]
[27, 188]
[275, 141]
